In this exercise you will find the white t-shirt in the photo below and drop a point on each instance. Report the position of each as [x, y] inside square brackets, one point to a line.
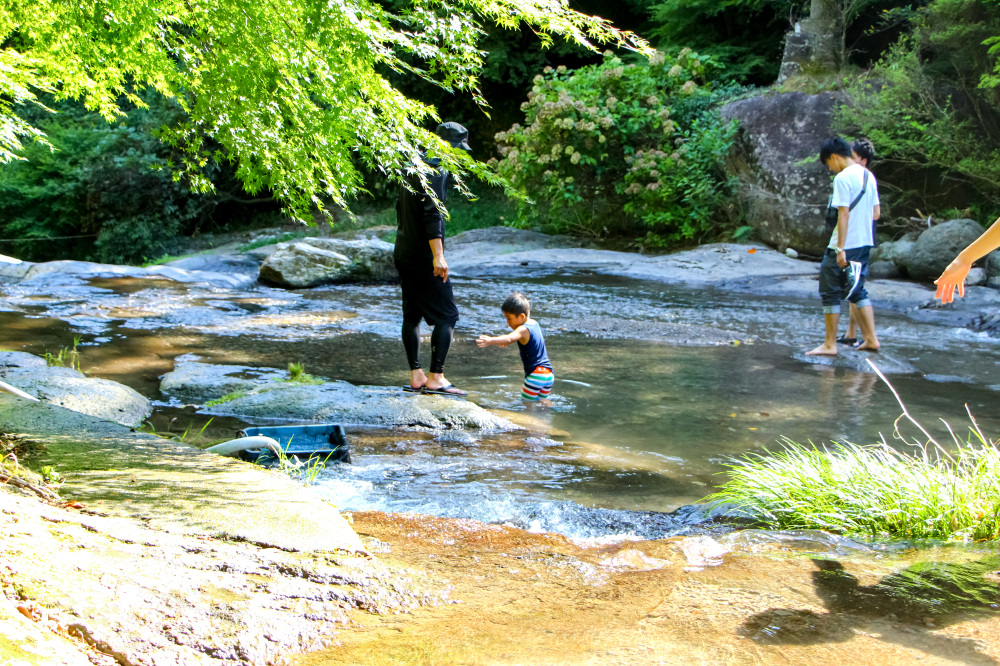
[846, 186]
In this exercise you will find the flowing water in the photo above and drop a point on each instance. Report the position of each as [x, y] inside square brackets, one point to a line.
[639, 425]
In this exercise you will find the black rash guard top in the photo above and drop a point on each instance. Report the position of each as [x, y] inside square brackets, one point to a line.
[418, 218]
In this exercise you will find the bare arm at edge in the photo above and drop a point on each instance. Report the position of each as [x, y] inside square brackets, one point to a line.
[956, 272]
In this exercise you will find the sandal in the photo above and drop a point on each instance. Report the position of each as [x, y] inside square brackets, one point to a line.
[445, 390]
[844, 340]
[417, 389]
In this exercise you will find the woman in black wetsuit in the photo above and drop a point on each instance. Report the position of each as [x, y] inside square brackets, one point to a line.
[423, 271]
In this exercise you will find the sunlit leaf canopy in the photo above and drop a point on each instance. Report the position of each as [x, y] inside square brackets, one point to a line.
[295, 92]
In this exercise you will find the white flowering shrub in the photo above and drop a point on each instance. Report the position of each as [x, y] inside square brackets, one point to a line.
[617, 148]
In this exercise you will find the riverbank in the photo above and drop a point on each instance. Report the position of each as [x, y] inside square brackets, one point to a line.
[81, 589]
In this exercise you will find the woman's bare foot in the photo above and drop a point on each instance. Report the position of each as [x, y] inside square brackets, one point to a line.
[823, 350]
[436, 381]
[873, 347]
[417, 379]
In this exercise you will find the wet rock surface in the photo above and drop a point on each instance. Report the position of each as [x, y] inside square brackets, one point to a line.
[73, 390]
[117, 591]
[55, 272]
[191, 381]
[799, 598]
[330, 402]
[215, 572]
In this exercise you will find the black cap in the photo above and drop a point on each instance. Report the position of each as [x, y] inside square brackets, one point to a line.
[454, 134]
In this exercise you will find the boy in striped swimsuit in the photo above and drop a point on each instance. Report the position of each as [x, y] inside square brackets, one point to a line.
[538, 377]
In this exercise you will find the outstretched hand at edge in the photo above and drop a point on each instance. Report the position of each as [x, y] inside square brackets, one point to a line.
[953, 276]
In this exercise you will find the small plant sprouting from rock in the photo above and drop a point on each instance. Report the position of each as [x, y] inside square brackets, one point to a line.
[185, 437]
[14, 475]
[304, 471]
[66, 357]
[297, 374]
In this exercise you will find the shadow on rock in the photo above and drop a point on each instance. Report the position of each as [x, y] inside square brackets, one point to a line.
[922, 597]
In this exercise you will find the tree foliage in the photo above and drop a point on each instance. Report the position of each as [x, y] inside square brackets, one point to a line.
[929, 105]
[293, 92]
[640, 137]
[745, 36]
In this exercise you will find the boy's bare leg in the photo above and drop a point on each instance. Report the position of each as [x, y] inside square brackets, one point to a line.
[852, 322]
[417, 378]
[866, 319]
[829, 346]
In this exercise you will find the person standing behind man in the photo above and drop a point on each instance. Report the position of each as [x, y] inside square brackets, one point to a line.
[864, 153]
[855, 195]
[423, 271]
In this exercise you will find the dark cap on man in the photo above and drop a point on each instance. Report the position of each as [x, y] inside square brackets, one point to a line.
[454, 134]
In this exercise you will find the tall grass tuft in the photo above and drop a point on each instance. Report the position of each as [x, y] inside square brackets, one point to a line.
[875, 490]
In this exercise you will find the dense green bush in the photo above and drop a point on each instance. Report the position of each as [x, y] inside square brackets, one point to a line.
[640, 138]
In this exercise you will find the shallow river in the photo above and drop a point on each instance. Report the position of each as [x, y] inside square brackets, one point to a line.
[639, 425]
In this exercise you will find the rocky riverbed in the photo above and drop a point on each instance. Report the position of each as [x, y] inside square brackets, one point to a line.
[158, 553]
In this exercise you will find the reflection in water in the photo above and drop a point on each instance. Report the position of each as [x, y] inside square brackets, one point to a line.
[636, 425]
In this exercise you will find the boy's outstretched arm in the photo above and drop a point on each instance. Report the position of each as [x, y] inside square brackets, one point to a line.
[518, 334]
[958, 270]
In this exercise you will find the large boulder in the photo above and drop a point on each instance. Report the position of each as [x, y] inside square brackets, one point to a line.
[310, 262]
[992, 264]
[73, 390]
[783, 186]
[937, 247]
[895, 252]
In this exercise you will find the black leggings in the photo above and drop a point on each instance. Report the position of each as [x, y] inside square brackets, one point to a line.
[440, 343]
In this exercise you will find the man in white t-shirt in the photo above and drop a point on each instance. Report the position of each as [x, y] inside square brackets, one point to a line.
[855, 196]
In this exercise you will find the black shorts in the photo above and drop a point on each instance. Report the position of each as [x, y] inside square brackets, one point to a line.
[833, 279]
[425, 295]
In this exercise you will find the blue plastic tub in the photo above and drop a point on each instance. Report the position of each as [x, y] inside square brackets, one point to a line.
[326, 442]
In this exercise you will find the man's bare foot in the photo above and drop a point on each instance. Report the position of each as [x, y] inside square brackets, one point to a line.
[874, 347]
[823, 350]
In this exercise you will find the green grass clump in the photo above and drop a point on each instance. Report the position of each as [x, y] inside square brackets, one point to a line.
[229, 397]
[875, 490]
[872, 490]
[297, 375]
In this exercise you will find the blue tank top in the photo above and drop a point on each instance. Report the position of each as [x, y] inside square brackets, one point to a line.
[533, 352]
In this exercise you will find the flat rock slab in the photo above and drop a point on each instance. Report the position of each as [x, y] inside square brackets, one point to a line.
[707, 265]
[330, 402]
[340, 402]
[172, 486]
[201, 382]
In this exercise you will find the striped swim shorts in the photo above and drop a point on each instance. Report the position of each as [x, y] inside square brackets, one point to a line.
[538, 384]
